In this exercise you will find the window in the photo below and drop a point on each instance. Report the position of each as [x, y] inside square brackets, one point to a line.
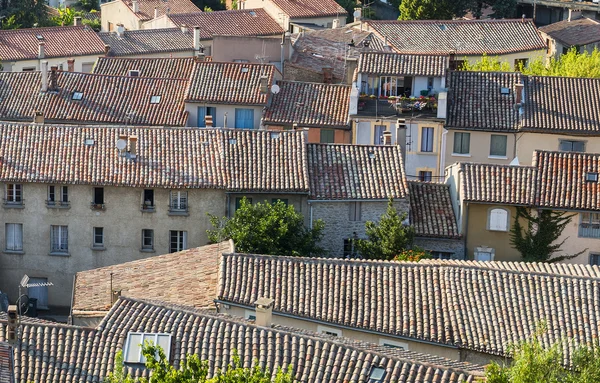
[135, 340]
[238, 202]
[147, 239]
[498, 145]
[429, 83]
[329, 331]
[148, 202]
[29, 69]
[250, 314]
[77, 96]
[498, 220]
[521, 63]
[14, 194]
[204, 111]
[377, 374]
[58, 195]
[393, 344]
[461, 143]
[378, 138]
[441, 255]
[179, 201]
[59, 239]
[244, 118]
[98, 201]
[134, 73]
[590, 225]
[284, 200]
[327, 136]
[87, 67]
[591, 177]
[98, 237]
[595, 259]
[354, 211]
[14, 237]
[571, 146]
[178, 241]
[349, 249]
[425, 176]
[427, 140]
[155, 99]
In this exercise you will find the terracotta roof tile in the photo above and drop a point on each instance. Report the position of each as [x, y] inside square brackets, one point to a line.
[230, 83]
[498, 183]
[146, 41]
[245, 22]
[394, 64]
[475, 306]
[309, 104]
[7, 364]
[431, 211]
[310, 8]
[104, 100]
[174, 68]
[69, 354]
[23, 44]
[465, 37]
[342, 172]
[146, 7]
[581, 31]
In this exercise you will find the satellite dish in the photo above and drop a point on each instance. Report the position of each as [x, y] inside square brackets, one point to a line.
[121, 144]
[275, 89]
[356, 14]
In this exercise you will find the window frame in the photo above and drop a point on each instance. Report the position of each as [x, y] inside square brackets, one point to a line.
[155, 99]
[354, 211]
[327, 140]
[95, 234]
[331, 331]
[589, 227]
[427, 140]
[175, 203]
[393, 344]
[16, 196]
[502, 156]
[61, 191]
[181, 241]
[592, 256]
[572, 143]
[141, 359]
[16, 248]
[144, 246]
[152, 204]
[461, 145]
[77, 96]
[424, 177]
[489, 219]
[59, 249]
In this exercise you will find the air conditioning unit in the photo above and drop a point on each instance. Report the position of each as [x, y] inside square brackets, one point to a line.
[484, 253]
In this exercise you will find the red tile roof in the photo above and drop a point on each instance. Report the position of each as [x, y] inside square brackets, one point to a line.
[104, 100]
[146, 7]
[230, 83]
[355, 172]
[465, 37]
[400, 64]
[146, 41]
[174, 68]
[246, 22]
[23, 44]
[431, 211]
[7, 364]
[296, 9]
[309, 104]
[505, 184]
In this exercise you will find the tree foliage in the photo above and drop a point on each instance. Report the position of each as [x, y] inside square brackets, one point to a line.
[194, 370]
[413, 255]
[537, 240]
[215, 5]
[266, 228]
[387, 238]
[23, 14]
[486, 64]
[448, 9]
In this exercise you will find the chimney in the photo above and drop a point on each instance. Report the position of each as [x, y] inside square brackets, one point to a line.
[155, 13]
[442, 104]
[357, 14]
[225, 120]
[71, 65]
[452, 60]
[106, 50]
[335, 24]
[518, 93]
[120, 30]
[12, 324]
[264, 311]
[38, 117]
[53, 85]
[41, 50]
[133, 145]
[208, 121]
[44, 74]
[387, 137]
[197, 38]
[184, 28]
[264, 84]
[574, 15]
[77, 21]
[354, 94]
[115, 296]
[327, 75]
[135, 6]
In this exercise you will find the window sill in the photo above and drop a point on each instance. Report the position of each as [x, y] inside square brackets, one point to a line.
[498, 157]
[59, 254]
[498, 231]
[58, 206]
[18, 252]
[14, 206]
[427, 153]
[182, 213]
[98, 248]
[461, 155]
[147, 251]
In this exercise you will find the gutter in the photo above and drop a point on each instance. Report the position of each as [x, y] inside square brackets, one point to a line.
[353, 200]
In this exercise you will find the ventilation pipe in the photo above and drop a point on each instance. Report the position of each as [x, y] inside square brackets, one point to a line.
[135, 6]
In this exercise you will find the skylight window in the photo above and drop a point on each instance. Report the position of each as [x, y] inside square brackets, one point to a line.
[89, 142]
[39, 37]
[275, 135]
[155, 99]
[134, 73]
[244, 70]
[504, 91]
[77, 96]
[591, 177]
[377, 374]
[136, 340]
[252, 13]
[443, 27]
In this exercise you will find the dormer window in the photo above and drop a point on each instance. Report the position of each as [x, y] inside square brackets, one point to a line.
[134, 73]
[155, 99]
[591, 177]
[77, 96]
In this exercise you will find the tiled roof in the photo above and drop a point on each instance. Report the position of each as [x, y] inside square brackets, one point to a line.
[562, 105]
[153, 68]
[309, 104]
[459, 304]
[343, 172]
[310, 8]
[476, 101]
[146, 7]
[562, 180]
[245, 22]
[6, 363]
[23, 44]
[581, 31]
[502, 184]
[105, 99]
[230, 83]
[69, 354]
[465, 37]
[431, 210]
[187, 277]
[166, 157]
[400, 64]
[146, 41]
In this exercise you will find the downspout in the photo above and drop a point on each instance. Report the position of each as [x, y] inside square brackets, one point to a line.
[70, 321]
[443, 154]
[310, 206]
[466, 213]
[227, 202]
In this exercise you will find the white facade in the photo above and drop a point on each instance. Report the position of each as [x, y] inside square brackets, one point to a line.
[81, 64]
[116, 12]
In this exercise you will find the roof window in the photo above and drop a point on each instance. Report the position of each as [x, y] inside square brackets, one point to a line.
[134, 73]
[371, 154]
[39, 37]
[591, 177]
[252, 13]
[377, 374]
[155, 100]
[245, 70]
[232, 141]
[77, 96]
[504, 91]
[443, 27]
[89, 142]
[136, 340]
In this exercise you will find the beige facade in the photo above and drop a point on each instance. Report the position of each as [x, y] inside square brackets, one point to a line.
[116, 12]
[122, 221]
[253, 49]
[479, 148]
[529, 142]
[557, 48]
[81, 64]
[511, 58]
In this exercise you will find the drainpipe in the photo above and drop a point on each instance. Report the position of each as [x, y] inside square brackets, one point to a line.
[466, 214]
[443, 153]
[310, 206]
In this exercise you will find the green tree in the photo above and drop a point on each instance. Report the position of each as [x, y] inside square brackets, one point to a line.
[215, 5]
[570, 64]
[387, 238]
[65, 16]
[87, 5]
[23, 14]
[193, 370]
[537, 240]
[426, 10]
[486, 64]
[266, 228]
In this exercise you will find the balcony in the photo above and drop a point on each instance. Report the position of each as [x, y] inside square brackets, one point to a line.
[396, 107]
[97, 206]
[11, 204]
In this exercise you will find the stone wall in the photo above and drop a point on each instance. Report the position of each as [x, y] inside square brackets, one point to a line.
[456, 246]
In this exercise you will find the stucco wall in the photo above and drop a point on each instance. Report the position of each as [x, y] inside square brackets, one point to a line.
[230, 48]
[416, 160]
[480, 148]
[528, 142]
[221, 109]
[116, 12]
[574, 243]
[122, 221]
[189, 53]
[17, 66]
[338, 226]
[511, 57]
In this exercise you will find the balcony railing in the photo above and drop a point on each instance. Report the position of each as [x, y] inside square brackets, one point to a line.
[58, 204]
[97, 206]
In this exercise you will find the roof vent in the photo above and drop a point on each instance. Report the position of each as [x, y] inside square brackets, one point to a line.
[591, 177]
[134, 73]
[232, 141]
[504, 91]
[371, 154]
[89, 142]
[252, 13]
[245, 70]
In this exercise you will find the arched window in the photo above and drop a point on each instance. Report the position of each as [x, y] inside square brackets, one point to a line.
[498, 219]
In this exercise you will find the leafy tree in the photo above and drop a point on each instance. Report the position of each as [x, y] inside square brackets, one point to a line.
[215, 5]
[387, 238]
[537, 240]
[266, 228]
[23, 14]
[87, 5]
[193, 370]
[413, 255]
[486, 64]
[426, 10]
[65, 16]
[570, 64]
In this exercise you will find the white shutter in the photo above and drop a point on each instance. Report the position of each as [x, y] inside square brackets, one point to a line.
[498, 220]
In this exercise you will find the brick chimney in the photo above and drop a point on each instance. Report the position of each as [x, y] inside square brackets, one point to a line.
[327, 75]
[53, 82]
[519, 93]
[13, 318]
[71, 65]
[264, 312]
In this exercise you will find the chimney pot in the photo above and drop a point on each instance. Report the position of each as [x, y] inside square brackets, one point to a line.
[106, 50]
[53, 83]
[357, 14]
[41, 50]
[184, 28]
[77, 21]
[155, 12]
[71, 65]
[135, 6]
[264, 311]
[38, 117]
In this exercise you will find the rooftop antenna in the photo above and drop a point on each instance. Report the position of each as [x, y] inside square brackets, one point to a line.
[23, 300]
